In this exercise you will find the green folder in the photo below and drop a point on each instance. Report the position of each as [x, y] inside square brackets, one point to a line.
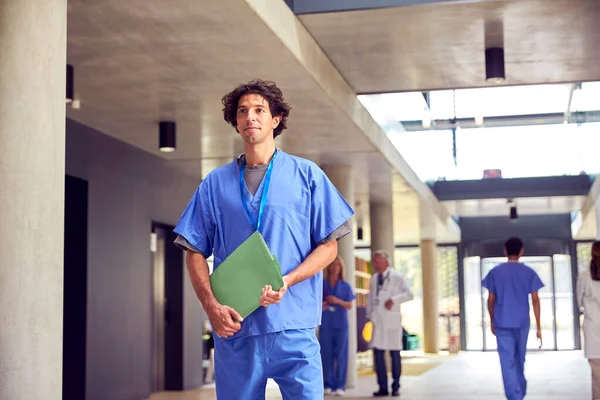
[238, 281]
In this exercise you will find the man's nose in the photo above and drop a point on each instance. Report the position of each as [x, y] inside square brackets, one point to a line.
[251, 116]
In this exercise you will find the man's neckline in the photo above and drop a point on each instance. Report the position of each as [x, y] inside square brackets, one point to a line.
[254, 167]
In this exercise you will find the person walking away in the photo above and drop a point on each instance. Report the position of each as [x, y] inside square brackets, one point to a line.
[509, 285]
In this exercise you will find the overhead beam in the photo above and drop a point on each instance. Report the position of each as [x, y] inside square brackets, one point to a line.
[320, 6]
[580, 117]
[578, 185]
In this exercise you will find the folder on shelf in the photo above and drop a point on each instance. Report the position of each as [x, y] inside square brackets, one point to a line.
[238, 281]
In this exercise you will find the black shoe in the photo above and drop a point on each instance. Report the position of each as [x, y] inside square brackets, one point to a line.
[395, 393]
[381, 393]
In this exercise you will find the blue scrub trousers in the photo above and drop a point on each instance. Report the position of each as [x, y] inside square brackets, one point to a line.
[292, 358]
[512, 346]
[382, 378]
[334, 353]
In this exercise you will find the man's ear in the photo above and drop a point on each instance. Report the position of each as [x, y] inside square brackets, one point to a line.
[276, 121]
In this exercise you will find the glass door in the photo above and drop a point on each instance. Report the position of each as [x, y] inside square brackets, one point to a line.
[564, 302]
[473, 303]
[556, 302]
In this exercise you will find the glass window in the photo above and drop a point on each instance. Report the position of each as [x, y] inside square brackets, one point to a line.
[512, 100]
[448, 296]
[523, 151]
[587, 98]
[526, 151]
[545, 150]
[429, 153]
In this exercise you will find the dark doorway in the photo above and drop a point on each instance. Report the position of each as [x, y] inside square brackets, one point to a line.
[75, 288]
[168, 309]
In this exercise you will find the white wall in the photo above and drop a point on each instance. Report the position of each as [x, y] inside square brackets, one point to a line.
[128, 189]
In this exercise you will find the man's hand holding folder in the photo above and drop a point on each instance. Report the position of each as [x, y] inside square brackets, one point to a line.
[270, 296]
[223, 320]
[250, 277]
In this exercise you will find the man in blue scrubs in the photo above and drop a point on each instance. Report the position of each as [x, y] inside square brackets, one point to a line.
[509, 286]
[300, 214]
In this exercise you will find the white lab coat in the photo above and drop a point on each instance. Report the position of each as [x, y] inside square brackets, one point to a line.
[588, 298]
[387, 324]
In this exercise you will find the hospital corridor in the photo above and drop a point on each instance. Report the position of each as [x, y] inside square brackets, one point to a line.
[468, 376]
[333, 198]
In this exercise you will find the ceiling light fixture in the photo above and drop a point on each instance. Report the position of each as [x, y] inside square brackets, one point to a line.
[494, 65]
[168, 133]
[513, 209]
[513, 213]
[70, 83]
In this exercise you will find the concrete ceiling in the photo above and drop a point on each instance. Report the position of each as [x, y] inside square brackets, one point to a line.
[441, 46]
[138, 62]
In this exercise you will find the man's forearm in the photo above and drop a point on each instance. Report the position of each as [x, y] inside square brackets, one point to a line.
[491, 302]
[199, 275]
[403, 297]
[536, 312]
[320, 257]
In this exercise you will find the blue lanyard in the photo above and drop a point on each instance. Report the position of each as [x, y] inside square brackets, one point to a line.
[263, 198]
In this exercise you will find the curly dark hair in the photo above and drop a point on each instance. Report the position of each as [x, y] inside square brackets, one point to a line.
[268, 90]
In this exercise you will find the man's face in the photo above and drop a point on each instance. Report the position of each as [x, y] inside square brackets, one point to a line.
[380, 263]
[255, 123]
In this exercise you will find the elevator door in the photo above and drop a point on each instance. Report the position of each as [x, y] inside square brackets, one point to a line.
[556, 302]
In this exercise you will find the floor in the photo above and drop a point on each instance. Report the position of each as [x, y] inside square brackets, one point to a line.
[467, 376]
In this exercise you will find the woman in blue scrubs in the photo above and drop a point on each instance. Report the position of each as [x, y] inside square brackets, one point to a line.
[333, 333]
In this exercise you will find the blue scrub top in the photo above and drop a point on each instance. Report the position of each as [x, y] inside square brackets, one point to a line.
[334, 315]
[512, 283]
[303, 208]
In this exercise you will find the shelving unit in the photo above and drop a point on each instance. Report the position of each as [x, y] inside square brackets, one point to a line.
[362, 274]
[363, 281]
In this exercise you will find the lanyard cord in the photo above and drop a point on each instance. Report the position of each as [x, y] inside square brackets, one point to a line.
[263, 199]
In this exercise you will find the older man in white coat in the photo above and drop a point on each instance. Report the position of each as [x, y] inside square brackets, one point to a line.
[388, 291]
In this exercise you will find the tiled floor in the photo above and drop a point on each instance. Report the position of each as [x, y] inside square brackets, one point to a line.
[468, 376]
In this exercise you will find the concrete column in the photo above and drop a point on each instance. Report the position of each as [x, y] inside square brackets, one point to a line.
[382, 227]
[381, 217]
[341, 177]
[32, 176]
[430, 296]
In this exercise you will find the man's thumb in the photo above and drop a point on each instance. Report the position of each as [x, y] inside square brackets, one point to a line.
[235, 315]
